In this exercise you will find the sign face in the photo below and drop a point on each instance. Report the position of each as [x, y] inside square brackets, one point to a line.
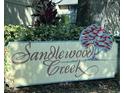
[59, 61]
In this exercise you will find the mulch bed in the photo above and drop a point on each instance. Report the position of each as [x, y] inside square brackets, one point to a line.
[91, 86]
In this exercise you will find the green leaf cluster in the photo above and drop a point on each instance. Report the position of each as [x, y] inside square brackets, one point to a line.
[42, 33]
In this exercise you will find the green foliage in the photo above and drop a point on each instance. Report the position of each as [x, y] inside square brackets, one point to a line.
[14, 33]
[64, 19]
[42, 33]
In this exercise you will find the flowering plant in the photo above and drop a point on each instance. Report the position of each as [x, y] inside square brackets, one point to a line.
[96, 36]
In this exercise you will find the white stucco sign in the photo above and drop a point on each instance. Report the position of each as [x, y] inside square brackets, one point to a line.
[59, 61]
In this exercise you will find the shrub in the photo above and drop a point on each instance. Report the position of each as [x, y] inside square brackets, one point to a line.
[45, 12]
[42, 33]
[13, 32]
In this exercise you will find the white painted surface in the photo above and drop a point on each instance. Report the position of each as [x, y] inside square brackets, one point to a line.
[66, 2]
